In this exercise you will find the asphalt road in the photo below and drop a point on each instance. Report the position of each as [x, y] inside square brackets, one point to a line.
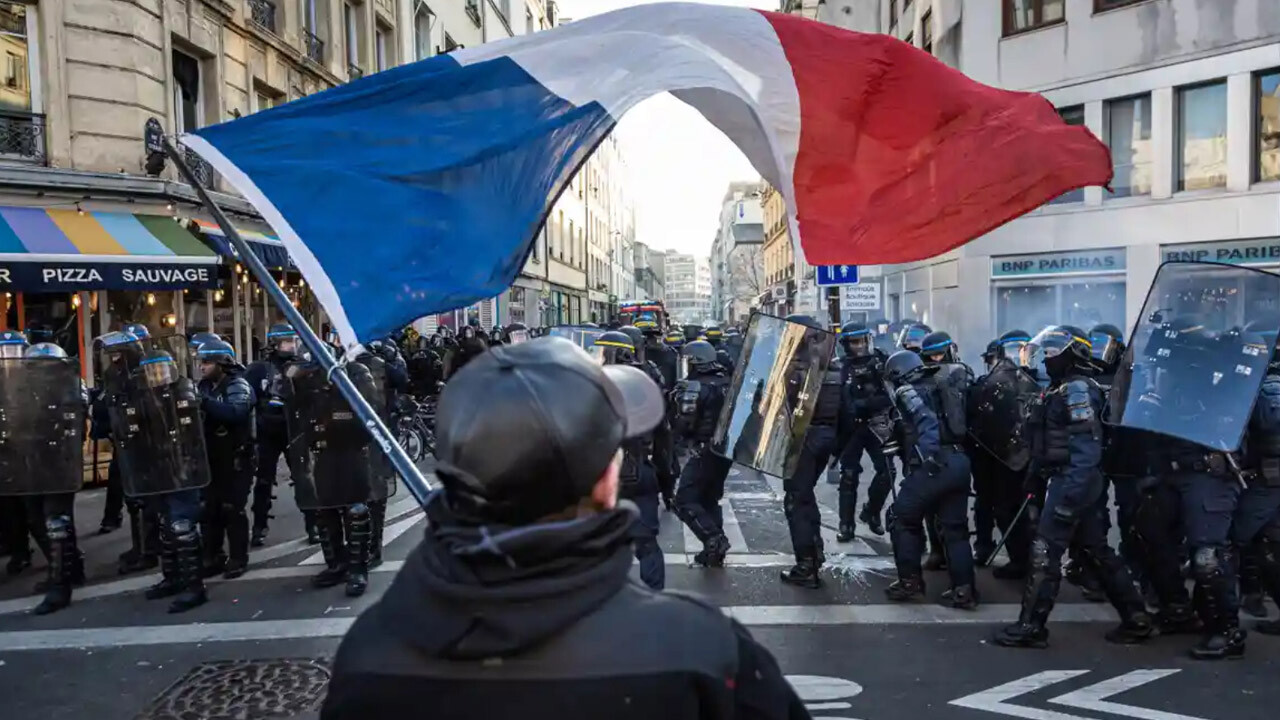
[260, 648]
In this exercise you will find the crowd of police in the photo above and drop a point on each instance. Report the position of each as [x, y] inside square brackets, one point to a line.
[194, 434]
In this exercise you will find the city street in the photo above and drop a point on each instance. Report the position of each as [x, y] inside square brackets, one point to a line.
[259, 648]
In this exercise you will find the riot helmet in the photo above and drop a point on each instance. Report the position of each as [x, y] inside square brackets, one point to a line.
[637, 340]
[216, 353]
[283, 340]
[912, 336]
[1059, 349]
[674, 338]
[692, 332]
[614, 347]
[516, 333]
[197, 339]
[806, 320]
[45, 350]
[1011, 343]
[138, 330]
[13, 344]
[713, 334]
[731, 331]
[699, 353]
[855, 338]
[992, 354]
[938, 347]
[904, 366]
[467, 333]
[158, 369]
[1108, 344]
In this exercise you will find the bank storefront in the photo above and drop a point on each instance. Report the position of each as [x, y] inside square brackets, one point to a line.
[1241, 299]
[1082, 288]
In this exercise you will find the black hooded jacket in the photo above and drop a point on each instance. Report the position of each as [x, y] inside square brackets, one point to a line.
[541, 622]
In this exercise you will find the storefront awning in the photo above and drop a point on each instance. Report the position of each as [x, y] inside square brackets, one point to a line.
[46, 250]
[268, 248]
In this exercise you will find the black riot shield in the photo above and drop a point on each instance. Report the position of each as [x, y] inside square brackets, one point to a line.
[1198, 354]
[772, 396]
[997, 414]
[41, 427]
[158, 435]
[343, 463]
[378, 375]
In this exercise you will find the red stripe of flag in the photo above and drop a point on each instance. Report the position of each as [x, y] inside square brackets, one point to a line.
[902, 158]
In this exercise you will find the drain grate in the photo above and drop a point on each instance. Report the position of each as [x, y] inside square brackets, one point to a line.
[244, 690]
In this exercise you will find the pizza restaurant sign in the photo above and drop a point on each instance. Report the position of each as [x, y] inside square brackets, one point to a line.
[73, 277]
[1265, 251]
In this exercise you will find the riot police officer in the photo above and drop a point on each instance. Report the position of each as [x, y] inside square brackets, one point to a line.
[866, 404]
[1065, 429]
[698, 399]
[938, 349]
[1255, 530]
[936, 482]
[41, 442]
[227, 401]
[637, 476]
[733, 342]
[264, 376]
[13, 515]
[912, 336]
[674, 339]
[715, 336]
[470, 344]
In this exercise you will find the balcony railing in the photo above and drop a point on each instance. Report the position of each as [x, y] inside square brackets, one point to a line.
[315, 46]
[22, 137]
[201, 169]
[263, 14]
[354, 71]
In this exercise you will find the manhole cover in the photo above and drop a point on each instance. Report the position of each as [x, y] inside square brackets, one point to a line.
[243, 690]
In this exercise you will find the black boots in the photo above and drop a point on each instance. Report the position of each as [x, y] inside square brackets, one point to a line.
[1038, 596]
[309, 522]
[182, 568]
[377, 518]
[846, 532]
[237, 529]
[804, 573]
[64, 558]
[871, 520]
[961, 597]
[713, 552]
[144, 532]
[329, 528]
[357, 526]
[905, 589]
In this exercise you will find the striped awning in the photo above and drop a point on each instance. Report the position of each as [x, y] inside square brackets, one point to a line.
[268, 248]
[40, 233]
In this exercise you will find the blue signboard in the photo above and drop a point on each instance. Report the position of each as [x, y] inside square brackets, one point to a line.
[837, 275]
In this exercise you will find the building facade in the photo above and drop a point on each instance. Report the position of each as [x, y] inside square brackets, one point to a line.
[688, 283]
[1187, 96]
[737, 258]
[649, 273]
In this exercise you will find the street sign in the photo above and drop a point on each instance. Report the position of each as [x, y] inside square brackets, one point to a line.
[862, 296]
[836, 274]
[1092, 698]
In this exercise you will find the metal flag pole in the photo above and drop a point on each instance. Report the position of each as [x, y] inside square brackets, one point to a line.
[413, 478]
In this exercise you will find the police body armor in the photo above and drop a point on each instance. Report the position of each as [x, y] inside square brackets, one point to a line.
[635, 465]
[230, 446]
[951, 387]
[41, 426]
[772, 398]
[1264, 434]
[998, 406]
[156, 427]
[826, 411]
[342, 463]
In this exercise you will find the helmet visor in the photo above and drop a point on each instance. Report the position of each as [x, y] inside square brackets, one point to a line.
[1047, 344]
[1106, 348]
[158, 372]
[911, 338]
[856, 344]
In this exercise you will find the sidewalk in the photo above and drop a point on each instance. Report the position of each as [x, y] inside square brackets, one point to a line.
[102, 552]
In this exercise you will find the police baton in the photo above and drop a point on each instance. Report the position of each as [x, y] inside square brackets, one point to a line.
[413, 478]
[1004, 537]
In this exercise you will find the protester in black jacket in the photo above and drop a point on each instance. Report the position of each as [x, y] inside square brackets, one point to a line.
[518, 602]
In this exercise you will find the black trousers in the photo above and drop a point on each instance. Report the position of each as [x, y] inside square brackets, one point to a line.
[273, 441]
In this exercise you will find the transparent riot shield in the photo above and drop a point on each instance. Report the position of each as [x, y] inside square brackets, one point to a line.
[41, 426]
[1198, 354]
[158, 435]
[583, 337]
[342, 463]
[772, 396]
[178, 347]
[997, 415]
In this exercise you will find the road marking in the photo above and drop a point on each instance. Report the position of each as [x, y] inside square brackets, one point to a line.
[332, 626]
[994, 700]
[1094, 697]
[391, 532]
[733, 530]
[822, 688]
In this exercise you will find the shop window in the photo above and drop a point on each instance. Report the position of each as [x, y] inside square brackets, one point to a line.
[1129, 137]
[423, 20]
[1083, 303]
[1073, 115]
[1024, 15]
[1202, 136]
[1266, 163]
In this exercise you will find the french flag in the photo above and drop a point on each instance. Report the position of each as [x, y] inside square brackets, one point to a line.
[422, 189]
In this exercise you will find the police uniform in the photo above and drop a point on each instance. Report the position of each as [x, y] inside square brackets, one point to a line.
[228, 404]
[701, 484]
[1256, 527]
[866, 404]
[264, 377]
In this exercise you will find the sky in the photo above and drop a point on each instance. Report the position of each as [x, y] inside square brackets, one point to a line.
[679, 165]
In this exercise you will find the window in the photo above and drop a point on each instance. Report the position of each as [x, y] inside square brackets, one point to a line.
[380, 34]
[1201, 117]
[15, 28]
[1072, 116]
[263, 100]
[263, 14]
[910, 39]
[423, 20]
[1103, 5]
[1129, 137]
[893, 13]
[351, 26]
[1023, 15]
[1083, 303]
[187, 103]
[1267, 110]
[573, 242]
[926, 31]
[473, 11]
[528, 22]
[311, 24]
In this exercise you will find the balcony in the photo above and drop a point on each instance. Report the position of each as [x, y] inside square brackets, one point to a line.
[354, 71]
[22, 137]
[263, 14]
[314, 46]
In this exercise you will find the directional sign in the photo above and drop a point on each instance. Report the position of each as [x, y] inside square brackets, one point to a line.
[836, 274]
[1092, 698]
